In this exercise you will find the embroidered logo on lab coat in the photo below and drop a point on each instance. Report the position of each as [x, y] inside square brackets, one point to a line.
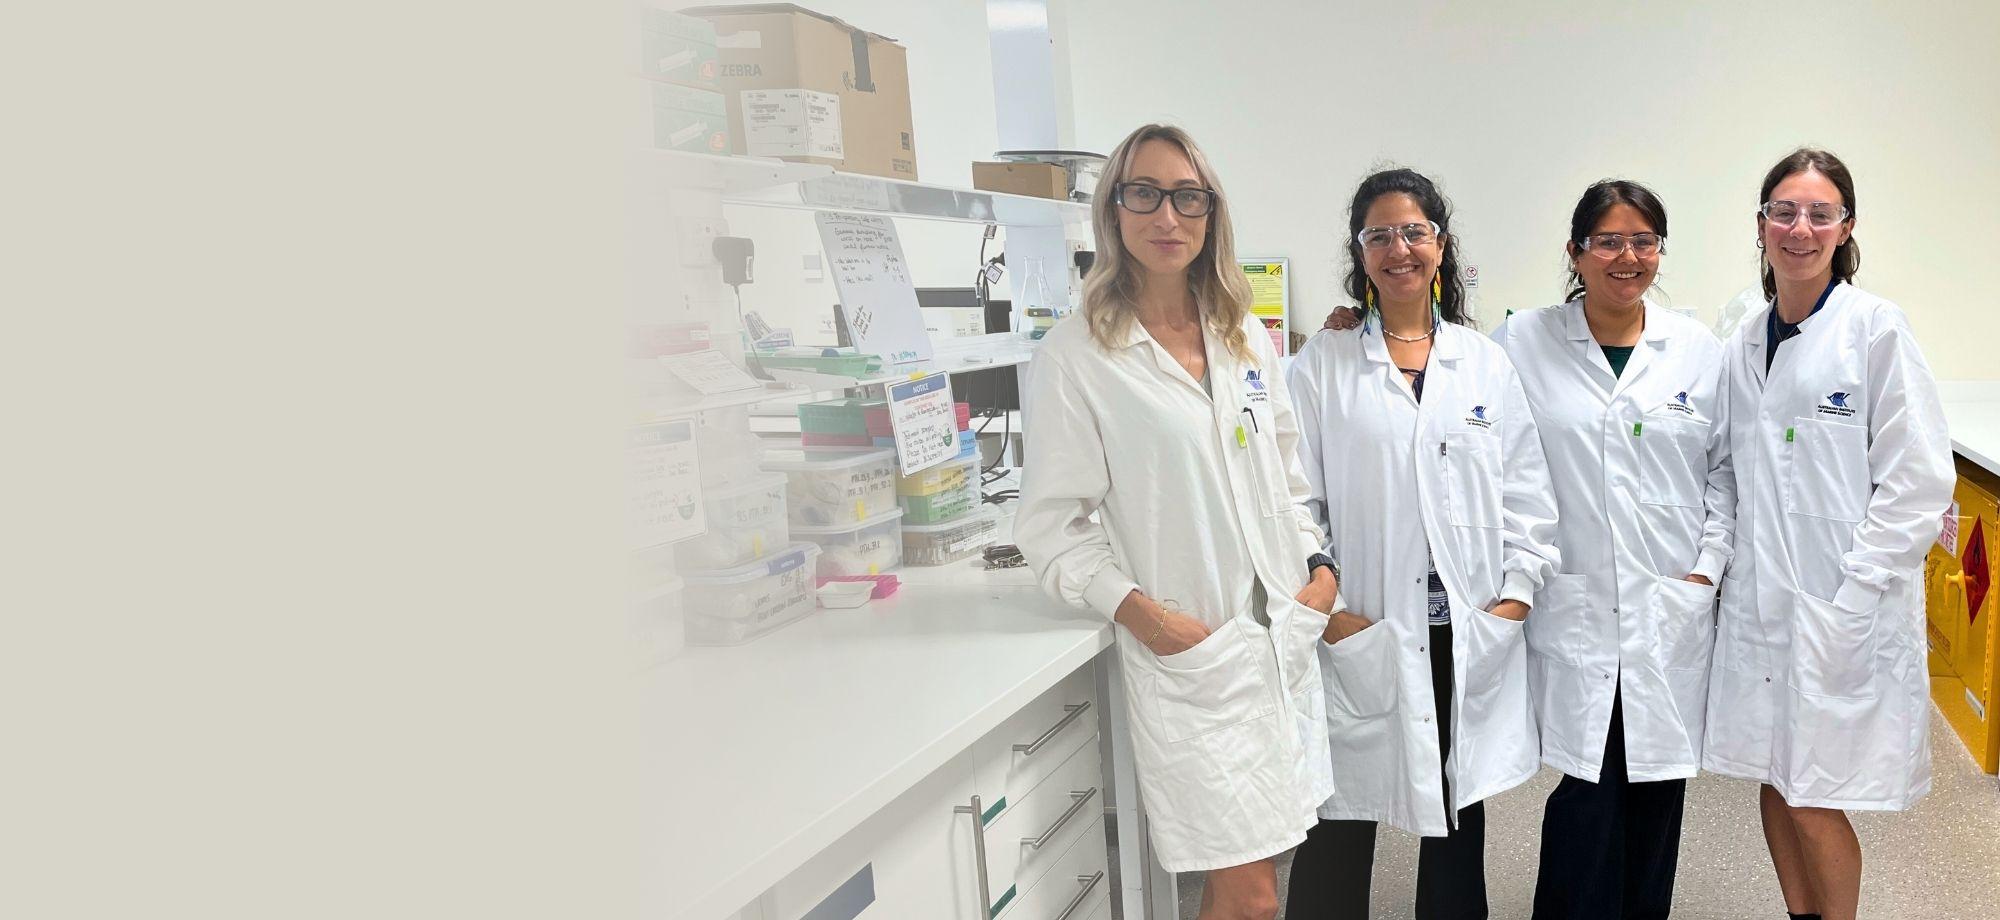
[1253, 387]
[1680, 403]
[1836, 405]
[1478, 418]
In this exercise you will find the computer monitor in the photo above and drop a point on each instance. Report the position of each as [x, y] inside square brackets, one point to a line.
[988, 392]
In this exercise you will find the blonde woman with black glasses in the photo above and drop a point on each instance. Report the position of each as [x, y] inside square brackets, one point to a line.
[1162, 489]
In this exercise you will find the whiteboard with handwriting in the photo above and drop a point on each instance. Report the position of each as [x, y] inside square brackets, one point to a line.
[876, 294]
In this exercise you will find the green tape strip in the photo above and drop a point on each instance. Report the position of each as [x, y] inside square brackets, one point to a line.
[1789, 433]
[1635, 428]
[994, 812]
[1004, 899]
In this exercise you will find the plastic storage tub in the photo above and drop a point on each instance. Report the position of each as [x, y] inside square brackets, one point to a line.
[836, 487]
[658, 621]
[734, 606]
[941, 506]
[868, 547]
[836, 416]
[745, 522]
[951, 474]
[943, 544]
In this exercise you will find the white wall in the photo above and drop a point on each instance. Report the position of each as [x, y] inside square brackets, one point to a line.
[1516, 107]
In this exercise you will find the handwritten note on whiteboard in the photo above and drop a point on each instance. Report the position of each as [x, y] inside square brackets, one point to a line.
[880, 302]
[925, 424]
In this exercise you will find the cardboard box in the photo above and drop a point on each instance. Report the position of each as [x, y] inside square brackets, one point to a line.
[1041, 180]
[678, 48]
[685, 118]
[782, 46]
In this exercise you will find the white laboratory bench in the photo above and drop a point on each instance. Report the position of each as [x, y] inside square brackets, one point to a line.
[1972, 410]
[783, 750]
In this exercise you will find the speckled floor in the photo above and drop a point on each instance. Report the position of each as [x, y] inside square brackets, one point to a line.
[1939, 861]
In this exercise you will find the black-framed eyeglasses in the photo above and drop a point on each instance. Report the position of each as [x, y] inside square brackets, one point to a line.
[1141, 198]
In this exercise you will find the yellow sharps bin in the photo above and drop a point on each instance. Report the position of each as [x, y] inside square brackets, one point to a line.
[1963, 609]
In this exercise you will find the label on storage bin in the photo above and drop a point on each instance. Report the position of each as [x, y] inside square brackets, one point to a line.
[785, 563]
[925, 423]
[665, 484]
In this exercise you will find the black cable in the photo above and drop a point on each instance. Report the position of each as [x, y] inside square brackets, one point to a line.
[1006, 438]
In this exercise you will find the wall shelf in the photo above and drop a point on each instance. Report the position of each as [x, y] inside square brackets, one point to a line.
[734, 175]
[856, 194]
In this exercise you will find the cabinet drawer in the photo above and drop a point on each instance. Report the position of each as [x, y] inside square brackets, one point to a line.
[1077, 885]
[1032, 743]
[914, 858]
[1066, 806]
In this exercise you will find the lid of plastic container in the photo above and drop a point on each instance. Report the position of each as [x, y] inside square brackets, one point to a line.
[824, 530]
[651, 586]
[829, 458]
[758, 483]
[794, 556]
[974, 517]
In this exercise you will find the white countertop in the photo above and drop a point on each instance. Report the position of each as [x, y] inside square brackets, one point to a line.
[1972, 409]
[775, 749]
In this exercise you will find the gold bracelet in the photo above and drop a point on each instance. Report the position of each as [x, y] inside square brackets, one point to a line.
[1160, 628]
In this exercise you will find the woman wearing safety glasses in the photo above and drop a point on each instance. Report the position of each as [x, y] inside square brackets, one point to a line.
[1628, 399]
[1428, 475]
[1163, 490]
[1843, 469]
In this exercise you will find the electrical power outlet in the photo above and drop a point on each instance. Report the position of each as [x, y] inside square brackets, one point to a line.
[696, 236]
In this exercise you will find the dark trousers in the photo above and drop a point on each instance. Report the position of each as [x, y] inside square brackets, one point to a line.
[1609, 848]
[1331, 871]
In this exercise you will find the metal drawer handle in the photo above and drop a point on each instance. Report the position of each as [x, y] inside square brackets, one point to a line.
[1047, 736]
[978, 852]
[1089, 883]
[1082, 798]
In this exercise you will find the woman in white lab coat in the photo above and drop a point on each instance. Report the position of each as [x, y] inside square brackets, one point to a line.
[1843, 469]
[1423, 459]
[1627, 397]
[1162, 490]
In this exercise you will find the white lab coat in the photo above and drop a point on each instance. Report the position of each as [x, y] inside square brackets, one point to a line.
[1229, 736]
[1463, 473]
[1640, 463]
[1843, 469]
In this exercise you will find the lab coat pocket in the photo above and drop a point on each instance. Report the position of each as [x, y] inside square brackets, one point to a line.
[1472, 474]
[1829, 476]
[1364, 674]
[1673, 459]
[1306, 628]
[1833, 650]
[1494, 648]
[1559, 627]
[1685, 612]
[1221, 682]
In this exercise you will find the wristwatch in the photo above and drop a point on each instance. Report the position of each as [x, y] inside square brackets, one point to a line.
[1321, 559]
